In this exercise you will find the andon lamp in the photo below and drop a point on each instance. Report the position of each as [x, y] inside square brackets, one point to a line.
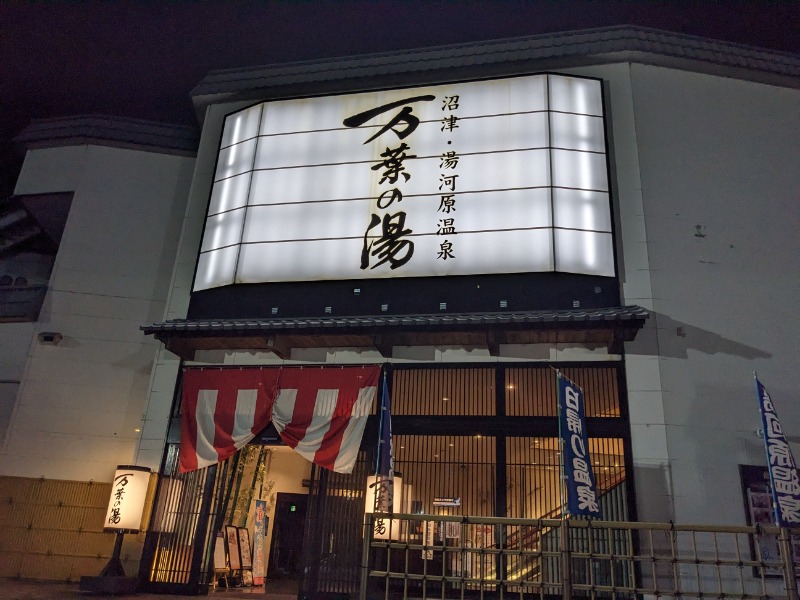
[124, 515]
[383, 530]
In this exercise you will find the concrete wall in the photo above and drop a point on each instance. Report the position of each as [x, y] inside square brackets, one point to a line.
[705, 188]
[15, 338]
[80, 404]
[182, 260]
[719, 179]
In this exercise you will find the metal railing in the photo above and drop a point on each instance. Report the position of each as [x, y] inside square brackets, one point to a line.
[426, 556]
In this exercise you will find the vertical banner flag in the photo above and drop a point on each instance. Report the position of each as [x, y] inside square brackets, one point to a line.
[381, 488]
[384, 468]
[578, 476]
[782, 468]
[259, 535]
[319, 412]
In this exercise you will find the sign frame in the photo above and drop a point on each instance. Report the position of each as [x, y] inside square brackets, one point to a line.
[610, 296]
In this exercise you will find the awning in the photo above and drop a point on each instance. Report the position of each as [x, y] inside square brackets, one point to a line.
[608, 327]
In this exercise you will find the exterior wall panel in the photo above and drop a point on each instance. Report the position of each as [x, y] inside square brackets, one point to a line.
[81, 402]
[721, 214]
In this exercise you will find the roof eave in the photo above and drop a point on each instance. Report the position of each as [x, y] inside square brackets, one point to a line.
[498, 58]
[609, 327]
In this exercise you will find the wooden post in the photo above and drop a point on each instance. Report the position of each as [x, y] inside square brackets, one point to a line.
[785, 539]
[566, 563]
[368, 528]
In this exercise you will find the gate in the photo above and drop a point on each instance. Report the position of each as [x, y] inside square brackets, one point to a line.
[177, 554]
[333, 533]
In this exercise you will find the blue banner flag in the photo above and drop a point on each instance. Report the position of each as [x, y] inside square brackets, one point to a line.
[578, 475]
[384, 468]
[782, 468]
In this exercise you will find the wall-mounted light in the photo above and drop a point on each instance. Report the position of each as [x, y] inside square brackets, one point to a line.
[50, 337]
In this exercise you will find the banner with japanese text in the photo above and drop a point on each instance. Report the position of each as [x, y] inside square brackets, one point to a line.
[582, 499]
[782, 467]
[260, 526]
[384, 490]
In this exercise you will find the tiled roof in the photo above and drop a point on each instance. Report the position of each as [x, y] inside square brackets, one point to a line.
[507, 56]
[634, 315]
[113, 131]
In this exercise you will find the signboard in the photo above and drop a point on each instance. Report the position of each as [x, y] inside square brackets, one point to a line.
[582, 497]
[220, 562]
[447, 501]
[260, 525]
[760, 510]
[244, 548]
[232, 537]
[128, 492]
[498, 176]
[783, 475]
[428, 539]
[384, 529]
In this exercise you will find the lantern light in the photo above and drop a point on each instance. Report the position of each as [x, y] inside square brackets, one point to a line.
[124, 514]
[126, 504]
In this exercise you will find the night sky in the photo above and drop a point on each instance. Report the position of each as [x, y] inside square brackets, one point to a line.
[141, 59]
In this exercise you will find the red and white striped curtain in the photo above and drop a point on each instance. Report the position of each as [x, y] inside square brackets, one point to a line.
[319, 412]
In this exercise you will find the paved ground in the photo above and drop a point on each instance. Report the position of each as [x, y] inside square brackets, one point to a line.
[12, 589]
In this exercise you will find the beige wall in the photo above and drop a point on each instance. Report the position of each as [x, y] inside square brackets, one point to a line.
[79, 409]
[51, 529]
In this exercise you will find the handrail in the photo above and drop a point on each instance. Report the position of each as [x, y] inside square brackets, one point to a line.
[622, 558]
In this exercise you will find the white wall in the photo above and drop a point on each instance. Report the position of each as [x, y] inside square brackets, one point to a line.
[14, 341]
[705, 180]
[720, 181]
[81, 401]
[645, 399]
[181, 262]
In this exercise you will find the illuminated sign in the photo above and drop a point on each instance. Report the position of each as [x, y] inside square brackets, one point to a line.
[500, 176]
[447, 501]
[128, 493]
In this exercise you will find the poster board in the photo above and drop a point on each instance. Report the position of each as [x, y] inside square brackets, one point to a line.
[220, 561]
[260, 527]
[232, 538]
[759, 510]
[244, 549]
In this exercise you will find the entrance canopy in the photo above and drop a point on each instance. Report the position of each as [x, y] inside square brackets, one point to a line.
[608, 327]
[319, 412]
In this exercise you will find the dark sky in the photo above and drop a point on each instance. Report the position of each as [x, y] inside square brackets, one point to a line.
[141, 59]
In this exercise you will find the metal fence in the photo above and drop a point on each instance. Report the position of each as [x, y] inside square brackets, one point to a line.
[425, 556]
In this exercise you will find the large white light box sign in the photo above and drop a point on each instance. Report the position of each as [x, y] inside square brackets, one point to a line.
[500, 176]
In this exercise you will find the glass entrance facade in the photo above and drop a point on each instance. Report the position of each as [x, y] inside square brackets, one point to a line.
[471, 440]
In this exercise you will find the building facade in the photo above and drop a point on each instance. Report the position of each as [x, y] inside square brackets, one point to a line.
[640, 238]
